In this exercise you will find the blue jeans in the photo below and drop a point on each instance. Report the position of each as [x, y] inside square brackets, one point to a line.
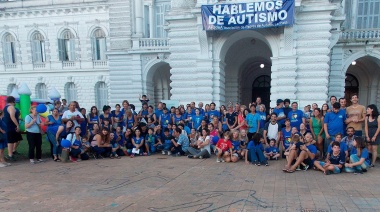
[336, 169]
[327, 143]
[105, 151]
[57, 149]
[165, 147]
[151, 146]
[353, 159]
[257, 155]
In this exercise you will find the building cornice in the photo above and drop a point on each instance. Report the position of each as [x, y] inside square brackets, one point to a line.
[45, 11]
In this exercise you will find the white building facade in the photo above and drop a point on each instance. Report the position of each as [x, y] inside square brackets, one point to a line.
[103, 52]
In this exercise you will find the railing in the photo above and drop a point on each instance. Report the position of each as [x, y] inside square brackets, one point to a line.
[153, 43]
[39, 65]
[99, 63]
[361, 34]
[10, 66]
[68, 64]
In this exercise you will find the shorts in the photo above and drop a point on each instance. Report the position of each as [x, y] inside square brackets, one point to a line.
[3, 144]
[336, 169]
[13, 137]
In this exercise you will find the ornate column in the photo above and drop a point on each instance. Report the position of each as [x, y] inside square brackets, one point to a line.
[152, 31]
[139, 17]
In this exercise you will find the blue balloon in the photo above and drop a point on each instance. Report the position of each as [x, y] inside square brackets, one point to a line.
[215, 139]
[65, 143]
[41, 108]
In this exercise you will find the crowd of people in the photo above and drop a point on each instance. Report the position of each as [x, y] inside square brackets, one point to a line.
[332, 139]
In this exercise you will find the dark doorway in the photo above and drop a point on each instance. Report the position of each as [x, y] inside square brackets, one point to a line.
[351, 87]
[261, 88]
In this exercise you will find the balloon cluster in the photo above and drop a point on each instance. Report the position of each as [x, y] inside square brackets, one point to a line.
[43, 110]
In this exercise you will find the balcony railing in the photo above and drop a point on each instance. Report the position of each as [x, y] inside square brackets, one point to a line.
[68, 64]
[10, 66]
[39, 65]
[153, 43]
[99, 63]
[361, 34]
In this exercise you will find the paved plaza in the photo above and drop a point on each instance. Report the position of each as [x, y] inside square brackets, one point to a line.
[164, 183]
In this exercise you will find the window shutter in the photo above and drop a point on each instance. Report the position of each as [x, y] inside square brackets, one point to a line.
[61, 50]
[7, 52]
[43, 56]
[93, 48]
[72, 50]
[102, 48]
[36, 51]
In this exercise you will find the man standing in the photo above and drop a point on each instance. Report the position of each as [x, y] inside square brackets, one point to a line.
[333, 124]
[342, 102]
[356, 115]
[296, 116]
[287, 107]
[258, 103]
[253, 122]
[201, 110]
[72, 114]
[11, 120]
[272, 129]
[331, 103]
[279, 110]
[210, 114]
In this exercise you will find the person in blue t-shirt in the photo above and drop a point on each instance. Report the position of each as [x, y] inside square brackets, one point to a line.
[256, 150]
[165, 119]
[333, 124]
[279, 110]
[343, 145]
[305, 154]
[359, 157]
[263, 116]
[296, 116]
[272, 152]
[197, 119]
[334, 160]
[253, 122]
[93, 117]
[286, 136]
[212, 113]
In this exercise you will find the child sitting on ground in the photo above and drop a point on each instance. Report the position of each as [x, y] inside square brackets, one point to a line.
[236, 150]
[272, 152]
[222, 147]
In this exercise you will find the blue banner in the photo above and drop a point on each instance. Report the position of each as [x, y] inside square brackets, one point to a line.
[253, 15]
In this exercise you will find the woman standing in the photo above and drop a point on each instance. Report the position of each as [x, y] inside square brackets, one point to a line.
[3, 141]
[106, 115]
[263, 117]
[33, 134]
[93, 117]
[117, 117]
[325, 109]
[242, 124]
[372, 130]
[316, 128]
[55, 134]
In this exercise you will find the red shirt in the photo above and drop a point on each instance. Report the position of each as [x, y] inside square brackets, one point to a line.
[224, 145]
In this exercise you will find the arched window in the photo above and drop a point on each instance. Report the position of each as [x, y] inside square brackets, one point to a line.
[38, 48]
[101, 93]
[70, 92]
[10, 88]
[351, 87]
[66, 46]
[41, 91]
[9, 49]
[99, 45]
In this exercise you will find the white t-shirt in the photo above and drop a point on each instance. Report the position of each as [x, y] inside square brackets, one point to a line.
[207, 147]
[68, 114]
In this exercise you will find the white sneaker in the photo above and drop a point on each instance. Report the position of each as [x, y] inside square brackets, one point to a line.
[223, 160]
[40, 160]
[169, 152]
[218, 161]
[200, 157]
[8, 164]
[79, 160]
[163, 152]
[2, 165]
